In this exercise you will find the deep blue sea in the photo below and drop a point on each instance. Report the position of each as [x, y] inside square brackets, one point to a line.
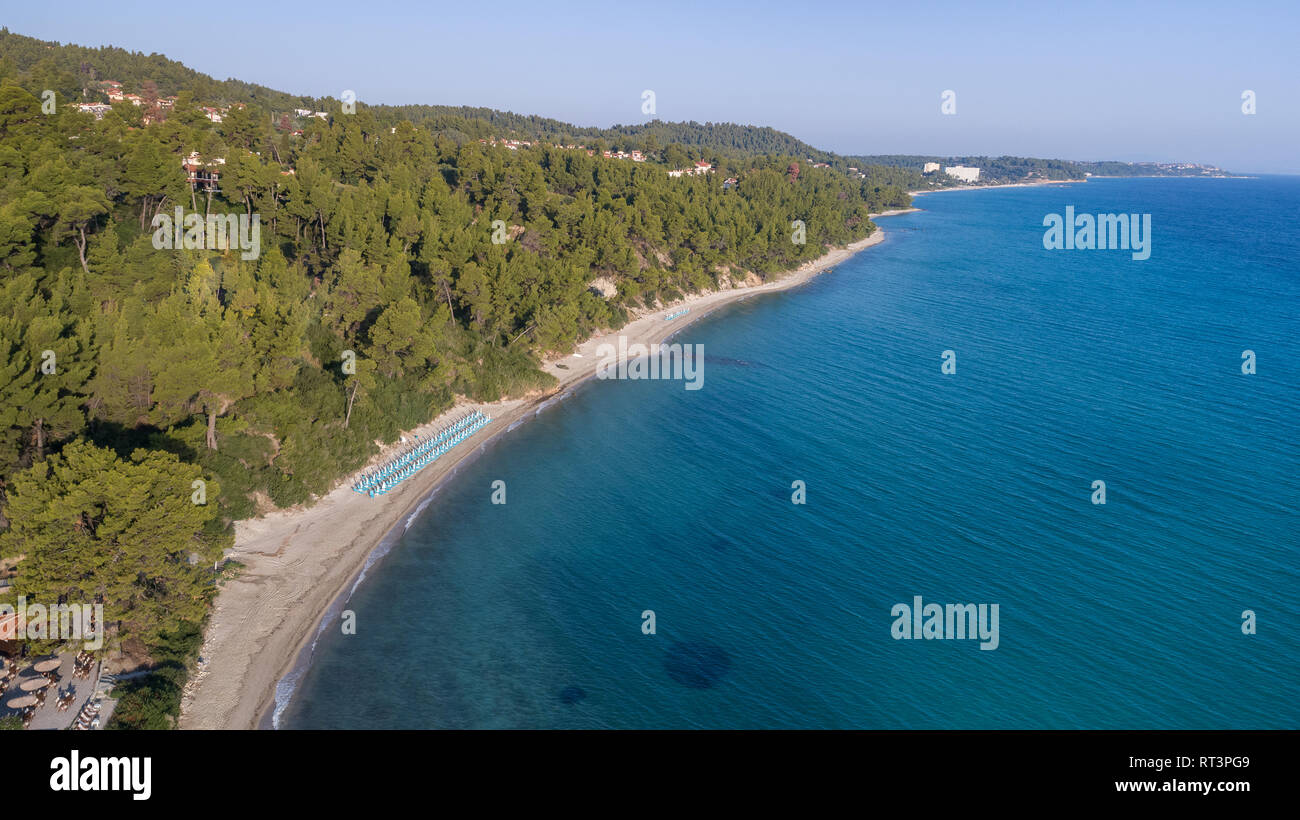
[1072, 366]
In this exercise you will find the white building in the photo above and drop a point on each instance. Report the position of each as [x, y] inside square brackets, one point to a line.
[701, 167]
[930, 168]
[963, 172]
[98, 109]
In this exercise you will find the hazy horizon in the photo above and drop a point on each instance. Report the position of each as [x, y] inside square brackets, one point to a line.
[1095, 82]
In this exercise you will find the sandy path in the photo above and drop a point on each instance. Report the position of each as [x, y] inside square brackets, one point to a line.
[298, 561]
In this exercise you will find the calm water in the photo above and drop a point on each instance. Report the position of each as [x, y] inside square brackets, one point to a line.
[1072, 366]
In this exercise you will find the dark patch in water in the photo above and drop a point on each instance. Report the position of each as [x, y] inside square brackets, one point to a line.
[697, 664]
[723, 360]
[720, 544]
[571, 695]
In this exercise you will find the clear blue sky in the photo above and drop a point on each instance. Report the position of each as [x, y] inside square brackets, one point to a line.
[1113, 80]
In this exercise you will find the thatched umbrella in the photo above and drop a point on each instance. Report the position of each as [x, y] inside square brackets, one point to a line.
[21, 702]
[48, 665]
[32, 684]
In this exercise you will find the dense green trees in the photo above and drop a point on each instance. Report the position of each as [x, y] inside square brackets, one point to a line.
[90, 526]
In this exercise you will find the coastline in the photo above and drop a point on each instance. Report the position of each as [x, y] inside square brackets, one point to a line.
[301, 564]
[1000, 185]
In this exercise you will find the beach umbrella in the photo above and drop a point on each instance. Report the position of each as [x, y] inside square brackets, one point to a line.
[22, 702]
[49, 665]
[32, 684]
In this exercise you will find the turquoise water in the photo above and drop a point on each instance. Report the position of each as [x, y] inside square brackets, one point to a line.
[1072, 366]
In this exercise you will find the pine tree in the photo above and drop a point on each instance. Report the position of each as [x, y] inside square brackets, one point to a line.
[89, 525]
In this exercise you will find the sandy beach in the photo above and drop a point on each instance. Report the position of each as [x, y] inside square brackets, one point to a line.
[1002, 185]
[297, 562]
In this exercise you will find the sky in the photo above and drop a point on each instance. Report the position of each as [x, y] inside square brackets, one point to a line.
[1134, 81]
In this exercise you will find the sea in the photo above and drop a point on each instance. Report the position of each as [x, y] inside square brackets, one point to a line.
[936, 421]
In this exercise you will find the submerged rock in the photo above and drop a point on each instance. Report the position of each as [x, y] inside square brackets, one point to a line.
[697, 664]
[570, 695]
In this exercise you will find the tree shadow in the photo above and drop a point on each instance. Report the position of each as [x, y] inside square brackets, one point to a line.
[125, 440]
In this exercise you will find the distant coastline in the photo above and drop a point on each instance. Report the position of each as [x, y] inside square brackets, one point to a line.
[1173, 176]
[301, 564]
[1070, 182]
[1000, 185]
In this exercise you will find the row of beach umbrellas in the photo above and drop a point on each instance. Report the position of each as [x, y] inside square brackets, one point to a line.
[419, 455]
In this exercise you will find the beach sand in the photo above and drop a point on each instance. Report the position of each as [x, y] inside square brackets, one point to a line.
[297, 562]
[1000, 185]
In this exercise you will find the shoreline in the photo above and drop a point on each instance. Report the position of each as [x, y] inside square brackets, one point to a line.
[302, 564]
[1001, 185]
